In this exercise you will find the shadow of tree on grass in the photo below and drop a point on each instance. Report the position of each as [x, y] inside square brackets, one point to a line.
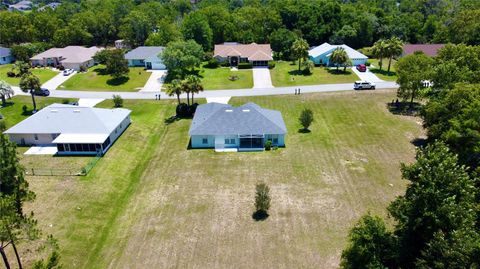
[260, 215]
[118, 81]
[404, 108]
[383, 72]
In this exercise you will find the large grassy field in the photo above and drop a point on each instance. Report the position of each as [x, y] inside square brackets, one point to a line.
[151, 203]
[287, 74]
[383, 74]
[44, 74]
[95, 79]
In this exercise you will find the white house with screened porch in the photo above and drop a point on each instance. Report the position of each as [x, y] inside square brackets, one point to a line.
[244, 128]
[73, 130]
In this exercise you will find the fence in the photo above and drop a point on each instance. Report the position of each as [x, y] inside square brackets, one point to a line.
[64, 171]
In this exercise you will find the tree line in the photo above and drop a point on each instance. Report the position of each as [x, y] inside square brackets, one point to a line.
[435, 223]
[279, 22]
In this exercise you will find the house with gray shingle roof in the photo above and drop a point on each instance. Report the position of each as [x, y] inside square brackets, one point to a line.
[243, 128]
[72, 129]
[235, 53]
[72, 57]
[147, 57]
[6, 56]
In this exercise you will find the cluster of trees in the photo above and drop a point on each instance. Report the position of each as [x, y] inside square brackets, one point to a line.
[389, 48]
[114, 60]
[16, 225]
[279, 22]
[436, 221]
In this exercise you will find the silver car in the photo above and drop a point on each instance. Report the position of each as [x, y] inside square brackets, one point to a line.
[363, 85]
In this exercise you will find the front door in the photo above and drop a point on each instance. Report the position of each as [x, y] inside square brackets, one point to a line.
[234, 61]
[149, 65]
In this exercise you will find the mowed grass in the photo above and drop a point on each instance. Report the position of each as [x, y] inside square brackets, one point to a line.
[287, 74]
[383, 74]
[44, 74]
[96, 79]
[218, 78]
[151, 203]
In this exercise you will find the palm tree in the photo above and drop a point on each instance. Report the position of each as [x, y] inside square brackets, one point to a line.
[174, 88]
[339, 57]
[379, 50]
[194, 85]
[394, 48]
[5, 92]
[300, 50]
[29, 83]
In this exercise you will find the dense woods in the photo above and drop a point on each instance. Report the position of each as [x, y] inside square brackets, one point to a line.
[356, 23]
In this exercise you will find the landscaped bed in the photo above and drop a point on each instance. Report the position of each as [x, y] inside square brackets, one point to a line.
[152, 196]
[287, 74]
[383, 74]
[44, 74]
[96, 79]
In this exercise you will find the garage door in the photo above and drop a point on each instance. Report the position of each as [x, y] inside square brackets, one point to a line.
[158, 65]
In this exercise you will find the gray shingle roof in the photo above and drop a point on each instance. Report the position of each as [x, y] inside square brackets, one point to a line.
[222, 119]
[59, 118]
[143, 53]
[4, 52]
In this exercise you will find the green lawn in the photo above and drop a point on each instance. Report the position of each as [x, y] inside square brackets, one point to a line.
[151, 203]
[44, 74]
[287, 74]
[218, 78]
[95, 79]
[383, 74]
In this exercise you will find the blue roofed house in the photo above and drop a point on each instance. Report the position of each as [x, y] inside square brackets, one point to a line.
[6, 56]
[321, 54]
[147, 57]
[244, 128]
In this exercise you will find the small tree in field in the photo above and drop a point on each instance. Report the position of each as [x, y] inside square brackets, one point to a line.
[262, 200]
[306, 118]
[117, 100]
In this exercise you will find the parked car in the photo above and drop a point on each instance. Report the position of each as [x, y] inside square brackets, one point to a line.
[42, 92]
[362, 68]
[363, 85]
[67, 72]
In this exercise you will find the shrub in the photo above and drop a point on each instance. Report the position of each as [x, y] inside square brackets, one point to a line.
[268, 145]
[24, 109]
[11, 74]
[262, 198]
[225, 64]
[368, 63]
[208, 56]
[61, 67]
[65, 101]
[271, 64]
[233, 78]
[245, 66]
[212, 63]
[83, 68]
[117, 100]
[306, 118]
[308, 66]
[183, 110]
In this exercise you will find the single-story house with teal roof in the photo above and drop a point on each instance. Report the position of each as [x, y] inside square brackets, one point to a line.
[322, 53]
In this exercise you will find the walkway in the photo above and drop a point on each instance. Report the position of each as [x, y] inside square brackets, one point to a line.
[57, 80]
[155, 81]
[261, 78]
[367, 75]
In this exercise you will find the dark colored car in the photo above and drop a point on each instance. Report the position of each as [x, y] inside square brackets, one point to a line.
[42, 92]
[362, 68]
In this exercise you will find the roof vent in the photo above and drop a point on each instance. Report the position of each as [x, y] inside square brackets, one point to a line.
[246, 110]
[228, 110]
[76, 111]
[54, 110]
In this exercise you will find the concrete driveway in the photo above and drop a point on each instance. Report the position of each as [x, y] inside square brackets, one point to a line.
[57, 80]
[367, 75]
[261, 78]
[155, 81]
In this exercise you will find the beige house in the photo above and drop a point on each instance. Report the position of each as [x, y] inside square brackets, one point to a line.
[71, 57]
[234, 53]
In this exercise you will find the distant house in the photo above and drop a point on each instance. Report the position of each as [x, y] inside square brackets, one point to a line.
[147, 57]
[121, 44]
[73, 129]
[243, 128]
[428, 49]
[234, 53]
[6, 56]
[72, 57]
[21, 6]
[322, 53]
[52, 5]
